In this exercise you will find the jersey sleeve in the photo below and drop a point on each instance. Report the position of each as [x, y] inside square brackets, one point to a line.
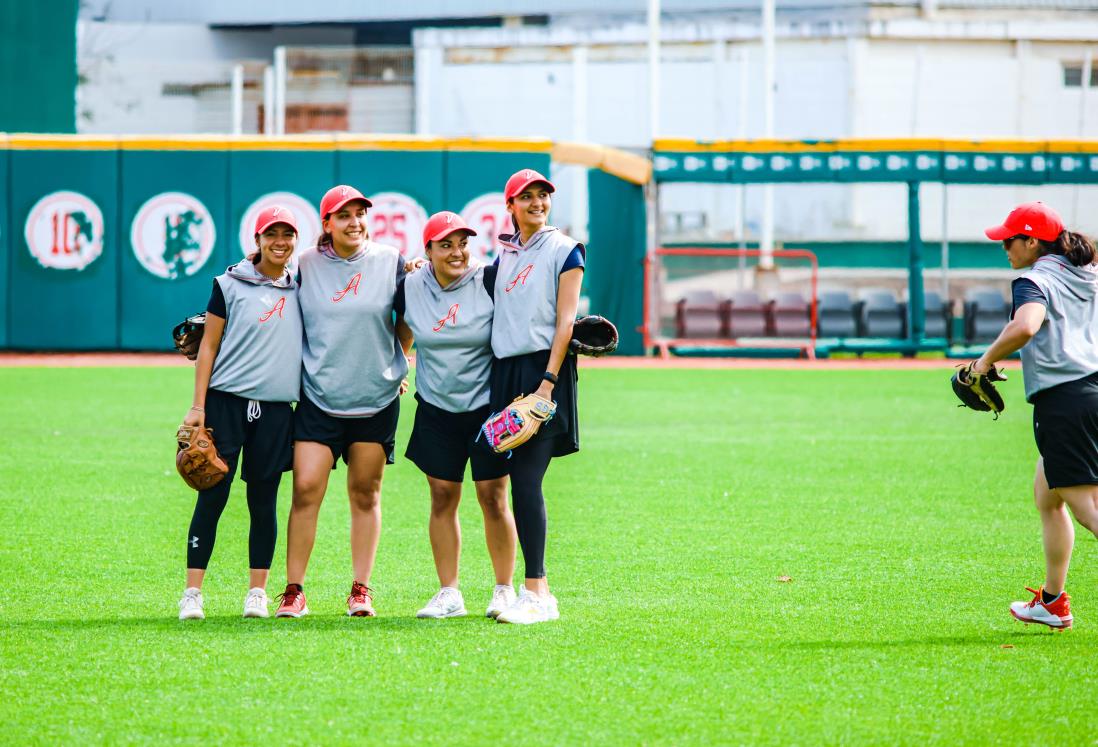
[399, 304]
[216, 305]
[576, 258]
[1023, 291]
[490, 273]
[400, 269]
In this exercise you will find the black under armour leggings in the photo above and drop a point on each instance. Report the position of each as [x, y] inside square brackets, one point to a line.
[262, 497]
[528, 466]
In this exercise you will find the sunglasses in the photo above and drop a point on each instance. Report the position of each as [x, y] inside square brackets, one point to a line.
[1007, 242]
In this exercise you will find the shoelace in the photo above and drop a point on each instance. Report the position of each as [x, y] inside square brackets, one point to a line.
[288, 597]
[360, 592]
[255, 598]
[254, 411]
[1036, 597]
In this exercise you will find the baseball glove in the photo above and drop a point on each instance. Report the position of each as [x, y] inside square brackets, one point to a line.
[978, 390]
[517, 423]
[594, 336]
[197, 459]
[188, 335]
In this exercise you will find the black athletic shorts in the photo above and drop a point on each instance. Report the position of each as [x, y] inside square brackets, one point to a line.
[263, 429]
[442, 442]
[313, 424]
[522, 374]
[1065, 426]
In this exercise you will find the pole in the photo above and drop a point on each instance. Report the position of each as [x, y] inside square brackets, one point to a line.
[915, 301]
[766, 245]
[238, 99]
[653, 69]
[1084, 86]
[280, 91]
[945, 242]
[741, 134]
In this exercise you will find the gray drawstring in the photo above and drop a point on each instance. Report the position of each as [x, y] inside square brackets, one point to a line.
[253, 410]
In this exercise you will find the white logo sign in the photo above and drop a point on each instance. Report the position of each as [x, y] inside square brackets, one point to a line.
[397, 220]
[488, 216]
[173, 235]
[64, 231]
[308, 222]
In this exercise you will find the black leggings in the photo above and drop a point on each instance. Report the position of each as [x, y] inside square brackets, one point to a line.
[528, 465]
[262, 497]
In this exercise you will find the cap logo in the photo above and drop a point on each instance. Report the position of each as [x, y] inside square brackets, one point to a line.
[1029, 227]
[449, 218]
[344, 191]
[276, 210]
[528, 174]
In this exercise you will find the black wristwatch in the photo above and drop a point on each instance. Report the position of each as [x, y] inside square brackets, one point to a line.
[550, 377]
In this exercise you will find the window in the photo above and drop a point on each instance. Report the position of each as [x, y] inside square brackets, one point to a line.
[1073, 74]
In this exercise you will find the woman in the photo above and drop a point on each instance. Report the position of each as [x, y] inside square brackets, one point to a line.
[537, 291]
[248, 372]
[353, 372]
[1054, 322]
[447, 307]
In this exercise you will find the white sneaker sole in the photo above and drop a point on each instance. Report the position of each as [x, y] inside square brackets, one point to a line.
[256, 613]
[293, 614]
[192, 615]
[1055, 625]
[456, 613]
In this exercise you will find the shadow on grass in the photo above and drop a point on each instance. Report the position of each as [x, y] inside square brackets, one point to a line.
[232, 624]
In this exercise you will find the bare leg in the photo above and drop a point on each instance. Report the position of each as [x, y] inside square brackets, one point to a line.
[364, 472]
[194, 577]
[499, 528]
[444, 529]
[1057, 531]
[1083, 502]
[257, 578]
[312, 464]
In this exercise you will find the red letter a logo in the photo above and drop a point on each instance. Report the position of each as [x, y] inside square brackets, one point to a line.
[276, 309]
[351, 286]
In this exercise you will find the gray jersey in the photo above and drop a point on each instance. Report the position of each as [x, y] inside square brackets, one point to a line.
[453, 331]
[260, 353]
[353, 364]
[1065, 348]
[526, 292]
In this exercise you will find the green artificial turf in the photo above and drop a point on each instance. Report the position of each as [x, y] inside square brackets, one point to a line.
[905, 524]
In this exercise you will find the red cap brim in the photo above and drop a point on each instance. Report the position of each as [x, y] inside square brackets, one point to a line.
[998, 233]
[447, 231]
[339, 206]
[264, 226]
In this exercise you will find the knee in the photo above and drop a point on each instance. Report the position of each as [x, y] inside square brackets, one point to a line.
[307, 495]
[493, 505]
[444, 501]
[365, 499]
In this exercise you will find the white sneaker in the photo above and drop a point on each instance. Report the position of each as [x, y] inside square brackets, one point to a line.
[530, 608]
[447, 603]
[255, 604]
[190, 606]
[503, 596]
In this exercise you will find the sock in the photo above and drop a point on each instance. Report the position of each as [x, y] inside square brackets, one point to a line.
[299, 587]
[1047, 598]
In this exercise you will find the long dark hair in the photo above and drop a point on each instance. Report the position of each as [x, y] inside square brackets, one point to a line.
[1075, 247]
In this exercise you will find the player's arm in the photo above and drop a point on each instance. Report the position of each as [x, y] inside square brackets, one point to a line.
[203, 369]
[404, 334]
[1018, 331]
[568, 293]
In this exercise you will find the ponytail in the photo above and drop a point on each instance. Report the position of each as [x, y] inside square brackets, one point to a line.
[1075, 247]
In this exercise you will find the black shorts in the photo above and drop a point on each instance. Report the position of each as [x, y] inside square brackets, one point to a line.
[522, 374]
[1065, 426]
[313, 424]
[442, 442]
[267, 439]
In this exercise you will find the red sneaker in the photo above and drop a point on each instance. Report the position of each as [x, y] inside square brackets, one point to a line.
[292, 602]
[361, 601]
[1055, 614]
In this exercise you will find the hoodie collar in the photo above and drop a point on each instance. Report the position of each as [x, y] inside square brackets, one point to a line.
[246, 270]
[511, 241]
[329, 251]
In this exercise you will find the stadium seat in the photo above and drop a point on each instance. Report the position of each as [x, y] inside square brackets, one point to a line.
[986, 311]
[880, 314]
[835, 315]
[935, 315]
[746, 314]
[700, 314]
[788, 315]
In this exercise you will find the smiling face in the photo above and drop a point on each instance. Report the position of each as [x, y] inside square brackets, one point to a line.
[276, 245]
[531, 207]
[1021, 251]
[347, 227]
[449, 257]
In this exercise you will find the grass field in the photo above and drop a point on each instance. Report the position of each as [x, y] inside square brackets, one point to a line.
[905, 524]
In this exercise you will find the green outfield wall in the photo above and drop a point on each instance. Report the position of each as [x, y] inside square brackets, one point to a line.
[108, 242]
[38, 72]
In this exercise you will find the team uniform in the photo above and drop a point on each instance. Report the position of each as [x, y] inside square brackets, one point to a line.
[453, 331]
[1060, 368]
[255, 377]
[524, 322]
[353, 364]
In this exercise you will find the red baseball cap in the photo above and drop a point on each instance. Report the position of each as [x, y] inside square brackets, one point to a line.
[337, 197]
[1031, 219]
[442, 225]
[274, 214]
[520, 180]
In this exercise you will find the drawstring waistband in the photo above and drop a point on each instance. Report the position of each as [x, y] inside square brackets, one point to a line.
[254, 412]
